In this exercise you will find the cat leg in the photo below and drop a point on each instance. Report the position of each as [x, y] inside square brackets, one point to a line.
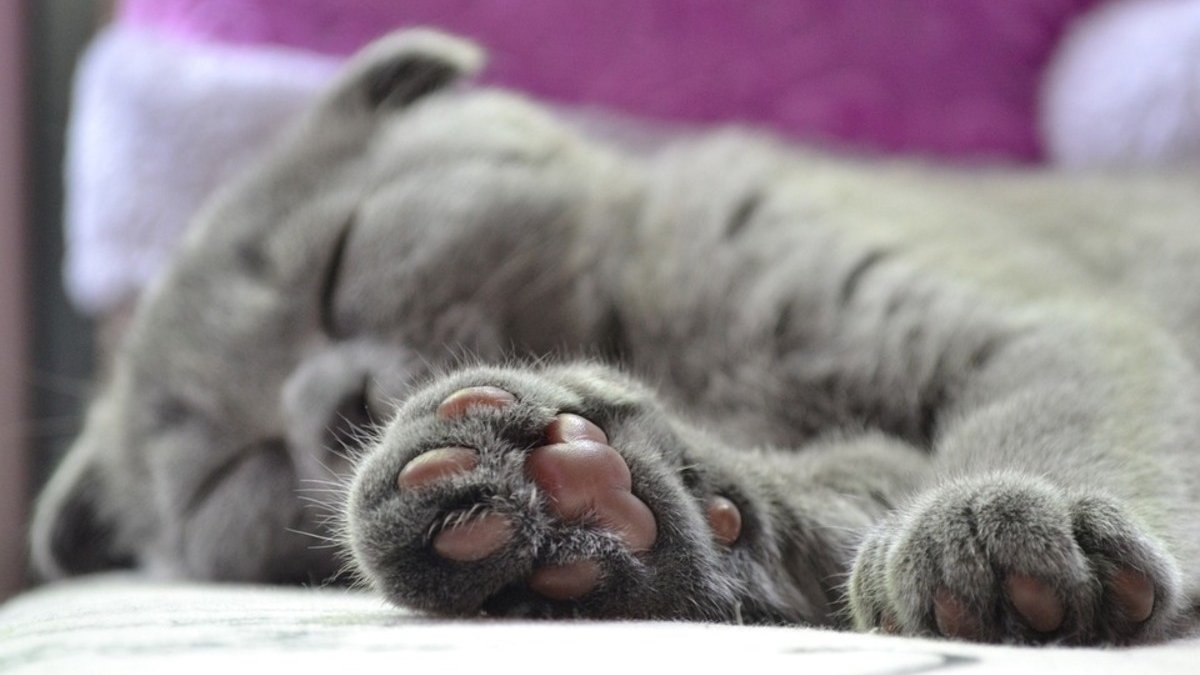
[568, 491]
[1054, 519]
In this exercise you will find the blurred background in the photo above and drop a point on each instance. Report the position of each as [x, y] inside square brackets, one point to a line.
[45, 345]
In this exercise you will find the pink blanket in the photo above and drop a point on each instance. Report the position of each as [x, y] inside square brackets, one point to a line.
[942, 77]
[1080, 83]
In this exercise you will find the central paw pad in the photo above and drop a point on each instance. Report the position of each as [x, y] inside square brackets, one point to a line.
[586, 478]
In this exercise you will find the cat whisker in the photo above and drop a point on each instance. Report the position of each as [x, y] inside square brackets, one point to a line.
[337, 490]
[313, 535]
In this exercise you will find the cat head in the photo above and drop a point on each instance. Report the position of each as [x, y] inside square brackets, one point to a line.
[363, 253]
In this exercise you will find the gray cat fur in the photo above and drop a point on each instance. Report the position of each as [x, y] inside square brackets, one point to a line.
[908, 379]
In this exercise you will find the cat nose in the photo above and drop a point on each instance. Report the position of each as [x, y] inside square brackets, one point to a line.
[328, 416]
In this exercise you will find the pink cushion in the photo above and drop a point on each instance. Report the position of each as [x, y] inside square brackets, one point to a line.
[952, 78]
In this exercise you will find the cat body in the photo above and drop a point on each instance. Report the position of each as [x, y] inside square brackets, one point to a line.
[930, 401]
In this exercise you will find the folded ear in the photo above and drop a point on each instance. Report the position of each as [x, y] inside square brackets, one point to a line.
[70, 534]
[402, 67]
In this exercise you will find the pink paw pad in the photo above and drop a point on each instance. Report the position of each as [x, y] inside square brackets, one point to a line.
[954, 618]
[566, 582]
[1036, 602]
[436, 465]
[585, 477]
[725, 519]
[460, 402]
[474, 539]
[1134, 593]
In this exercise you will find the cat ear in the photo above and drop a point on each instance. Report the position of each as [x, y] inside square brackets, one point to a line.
[402, 67]
[69, 534]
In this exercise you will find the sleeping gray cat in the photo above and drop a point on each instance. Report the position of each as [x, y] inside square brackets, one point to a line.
[723, 382]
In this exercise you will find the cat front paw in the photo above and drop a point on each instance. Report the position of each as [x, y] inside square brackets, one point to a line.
[1015, 559]
[576, 476]
[502, 492]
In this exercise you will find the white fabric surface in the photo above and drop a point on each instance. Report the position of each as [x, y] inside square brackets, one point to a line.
[118, 624]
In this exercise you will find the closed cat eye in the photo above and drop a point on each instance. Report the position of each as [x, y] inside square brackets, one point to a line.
[329, 285]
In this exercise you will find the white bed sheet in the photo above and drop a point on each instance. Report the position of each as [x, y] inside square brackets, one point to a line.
[122, 624]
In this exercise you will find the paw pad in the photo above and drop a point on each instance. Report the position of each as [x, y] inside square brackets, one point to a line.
[1134, 594]
[725, 519]
[436, 465]
[475, 539]
[460, 402]
[566, 582]
[954, 619]
[1036, 602]
[586, 478]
